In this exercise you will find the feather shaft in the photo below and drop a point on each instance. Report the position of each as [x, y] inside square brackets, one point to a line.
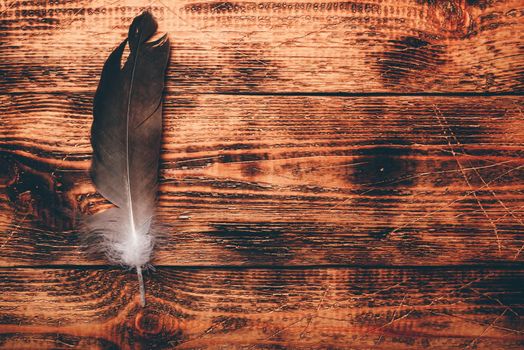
[141, 285]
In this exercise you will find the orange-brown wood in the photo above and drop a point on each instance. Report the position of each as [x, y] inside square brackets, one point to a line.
[335, 175]
[260, 308]
[325, 46]
[283, 180]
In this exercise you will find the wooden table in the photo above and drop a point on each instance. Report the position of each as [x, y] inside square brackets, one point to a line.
[335, 175]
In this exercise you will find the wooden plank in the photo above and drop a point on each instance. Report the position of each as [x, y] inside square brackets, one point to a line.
[262, 309]
[297, 46]
[282, 180]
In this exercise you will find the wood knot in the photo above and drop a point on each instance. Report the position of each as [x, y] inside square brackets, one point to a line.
[153, 329]
[149, 323]
[451, 17]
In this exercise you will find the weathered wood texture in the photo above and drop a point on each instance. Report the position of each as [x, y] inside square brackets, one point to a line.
[283, 180]
[327, 46]
[263, 309]
[259, 182]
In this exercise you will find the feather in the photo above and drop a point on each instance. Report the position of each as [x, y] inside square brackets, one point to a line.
[125, 136]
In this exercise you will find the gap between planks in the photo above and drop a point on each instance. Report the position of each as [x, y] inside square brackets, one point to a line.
[462, 267]
[302, 93]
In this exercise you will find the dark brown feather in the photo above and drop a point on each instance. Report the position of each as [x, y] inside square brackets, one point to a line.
[126, 136]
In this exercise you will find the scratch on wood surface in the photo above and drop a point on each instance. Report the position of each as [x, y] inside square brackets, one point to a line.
[320, 312]
[311, 317]
[370, 295]
[508, 211]
[498, 219]
[468, 193]
[473, 321]
[419, 175]
[395, 319]
[496, 300]
[486, 330]
[442, 122]
[395, 312]
[518, 252]
[433, 301]
[9, 6]
[279, 331]
[504, 206]
[518, 209]
[213, 326]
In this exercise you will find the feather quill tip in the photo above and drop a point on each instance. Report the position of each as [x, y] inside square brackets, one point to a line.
[141, 286]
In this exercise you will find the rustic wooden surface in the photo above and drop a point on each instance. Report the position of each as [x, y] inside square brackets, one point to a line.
[284, 180]
[261, 308]
[335, 175]
[263, 46]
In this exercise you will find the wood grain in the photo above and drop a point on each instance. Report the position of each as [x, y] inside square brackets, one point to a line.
[317, 189]
[282, 180]
[264, 46]
[262, 309]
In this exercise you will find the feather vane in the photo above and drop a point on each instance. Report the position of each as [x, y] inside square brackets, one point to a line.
[125, 136]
